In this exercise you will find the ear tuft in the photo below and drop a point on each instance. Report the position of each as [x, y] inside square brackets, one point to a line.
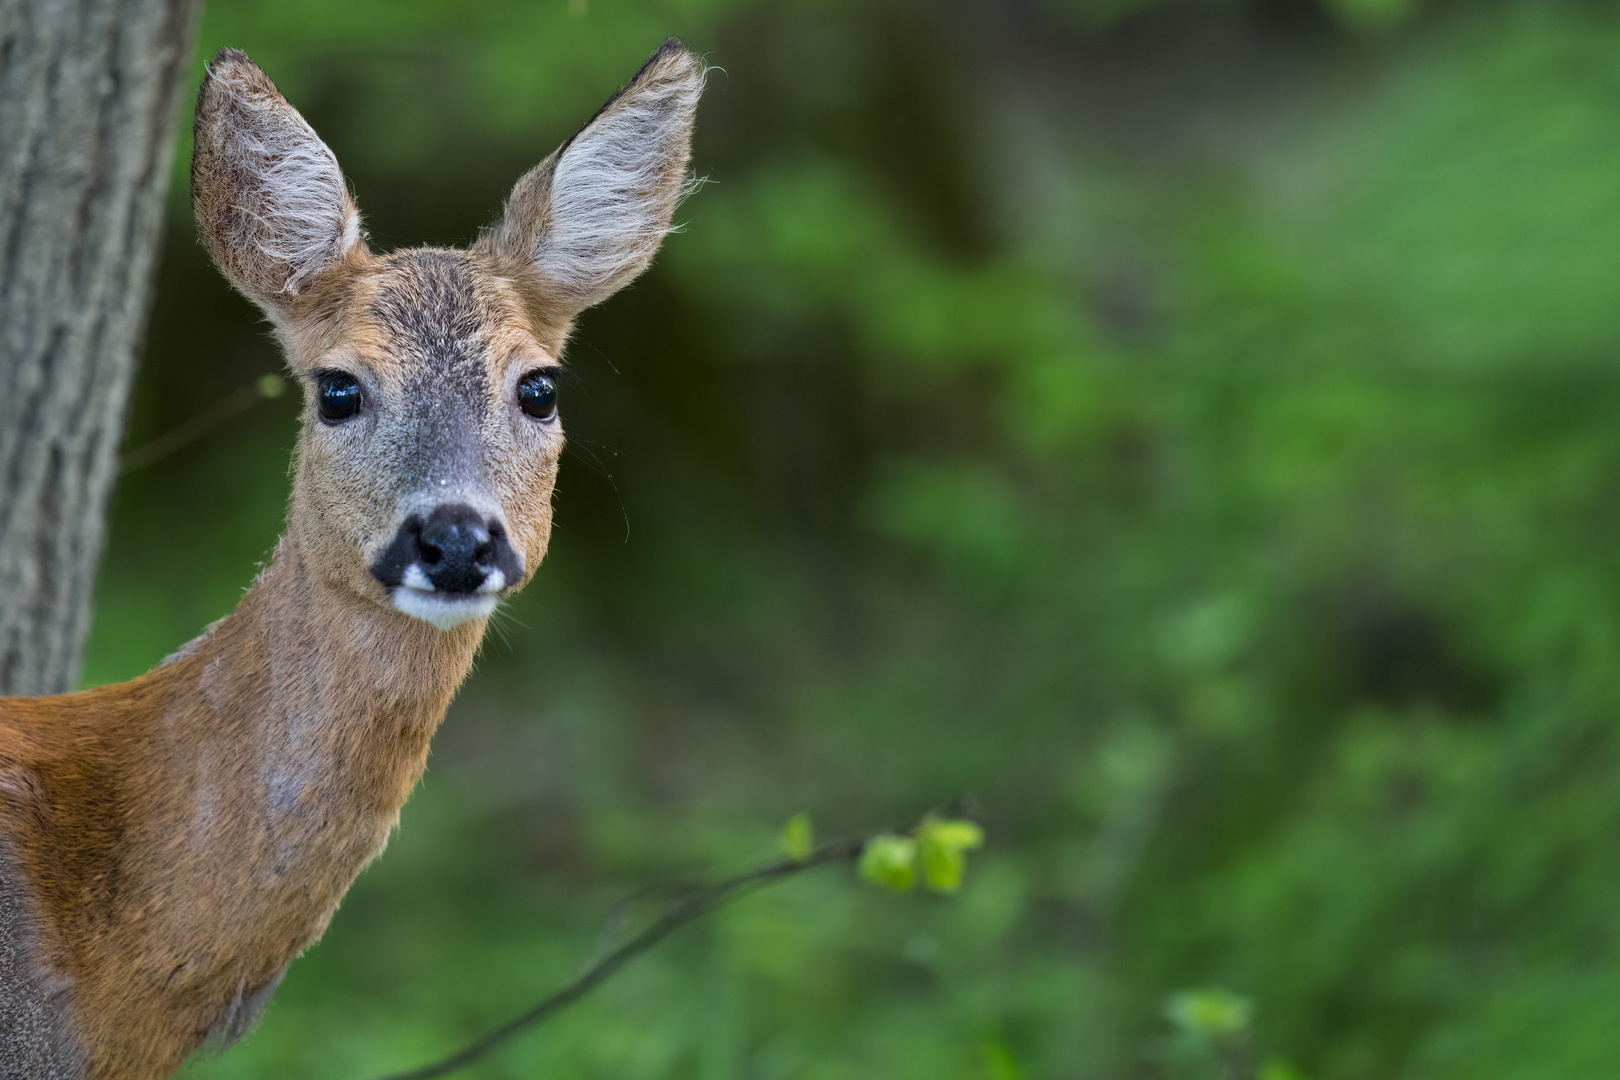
[591, 216]
[267, 193]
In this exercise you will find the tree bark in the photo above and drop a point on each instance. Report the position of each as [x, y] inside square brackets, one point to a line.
[88, 103]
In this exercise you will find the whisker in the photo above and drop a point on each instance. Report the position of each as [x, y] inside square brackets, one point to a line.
[596, 463]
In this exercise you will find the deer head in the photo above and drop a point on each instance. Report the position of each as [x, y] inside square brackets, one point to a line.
[430, 434]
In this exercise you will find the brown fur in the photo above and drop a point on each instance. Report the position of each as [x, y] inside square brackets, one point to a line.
[184, 835]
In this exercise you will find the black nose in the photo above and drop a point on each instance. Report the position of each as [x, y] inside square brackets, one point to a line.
[456, 548]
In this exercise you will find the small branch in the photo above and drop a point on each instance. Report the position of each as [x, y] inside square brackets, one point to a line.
[184, 434]
[692, 907]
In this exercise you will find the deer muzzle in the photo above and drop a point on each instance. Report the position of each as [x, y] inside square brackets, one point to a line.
[449, 566]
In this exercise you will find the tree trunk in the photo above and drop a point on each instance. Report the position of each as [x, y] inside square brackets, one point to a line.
[88, 93]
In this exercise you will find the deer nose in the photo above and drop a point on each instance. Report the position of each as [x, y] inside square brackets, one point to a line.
[455, 549]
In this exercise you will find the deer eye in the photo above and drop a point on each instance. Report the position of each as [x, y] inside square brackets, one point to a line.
[337, 396]
[537, 395]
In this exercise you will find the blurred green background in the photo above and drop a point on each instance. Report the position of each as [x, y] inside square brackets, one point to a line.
[1191, 429]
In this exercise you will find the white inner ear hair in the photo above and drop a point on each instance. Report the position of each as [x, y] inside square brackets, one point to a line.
[297, 213]
[613, 190]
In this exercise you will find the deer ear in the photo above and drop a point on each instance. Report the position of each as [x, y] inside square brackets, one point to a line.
[590, 217]
[267, 194]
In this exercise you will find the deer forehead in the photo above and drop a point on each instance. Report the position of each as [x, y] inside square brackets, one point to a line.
[437, 323]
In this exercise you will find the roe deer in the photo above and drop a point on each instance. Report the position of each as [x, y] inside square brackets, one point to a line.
[169, 844]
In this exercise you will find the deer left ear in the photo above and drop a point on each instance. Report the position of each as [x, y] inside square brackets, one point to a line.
[268, 196]
[591, 216]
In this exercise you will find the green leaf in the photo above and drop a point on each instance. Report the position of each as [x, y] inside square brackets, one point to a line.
[943, 867]
[999, 1063]
[889, 860]
[798, 840]
[951, 833]
[944, 844]
[1210, 1013]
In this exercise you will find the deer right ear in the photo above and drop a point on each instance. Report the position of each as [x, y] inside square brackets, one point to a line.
[267, 194]
[591, 216]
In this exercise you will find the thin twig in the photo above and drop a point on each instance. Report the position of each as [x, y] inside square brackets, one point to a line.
[694, 906]
[182, 435]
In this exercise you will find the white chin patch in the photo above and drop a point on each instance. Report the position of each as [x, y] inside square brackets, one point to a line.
[443, 610]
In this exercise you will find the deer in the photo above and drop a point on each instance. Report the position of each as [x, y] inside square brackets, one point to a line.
[168, 845]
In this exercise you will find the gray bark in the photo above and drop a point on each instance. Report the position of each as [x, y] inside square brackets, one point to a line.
[88, 104]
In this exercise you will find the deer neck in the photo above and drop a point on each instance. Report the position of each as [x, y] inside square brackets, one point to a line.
[222, 804]
[299, 724]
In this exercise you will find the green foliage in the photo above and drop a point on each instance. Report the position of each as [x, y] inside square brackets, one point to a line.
[1373, 14]
[1210, 1013]
[1279, 1070]
[1359, 15]
[937, 848]
[942, 847]
[890, 861]
[797, 838]
[1187, 426]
